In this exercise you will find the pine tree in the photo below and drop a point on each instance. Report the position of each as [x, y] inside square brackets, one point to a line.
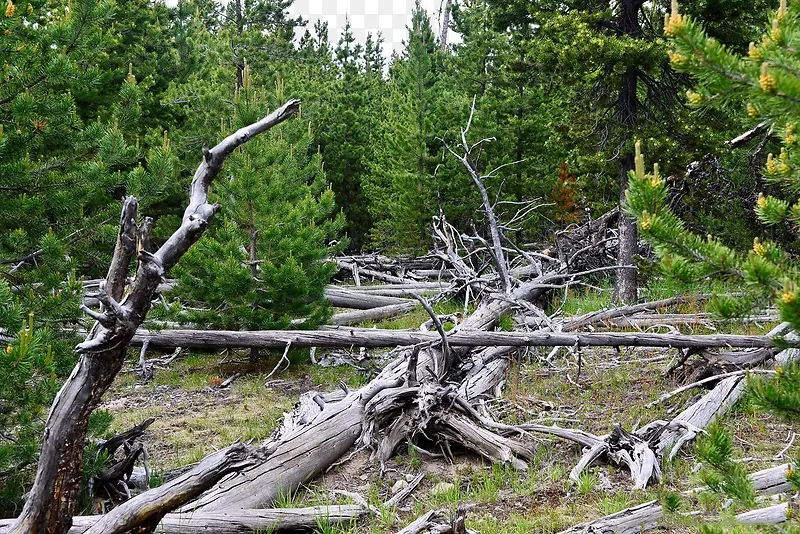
[344, 122]
[265, 266]
[763, 84]
[68, 152]
[402, 189]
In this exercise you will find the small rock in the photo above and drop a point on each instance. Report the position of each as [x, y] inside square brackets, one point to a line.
[441, 487]
[399, 485]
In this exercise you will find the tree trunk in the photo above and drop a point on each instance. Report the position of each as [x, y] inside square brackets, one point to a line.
[53, 497]
[239, 521]
[625, 288]
[238, 60]
[373, 314]
[445, 24]
[463, 337]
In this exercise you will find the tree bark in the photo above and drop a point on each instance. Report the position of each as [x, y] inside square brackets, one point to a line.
[143, 513]
[625, 289]
[359, 300]
[373, 314]
[53, 497]
[445, 24]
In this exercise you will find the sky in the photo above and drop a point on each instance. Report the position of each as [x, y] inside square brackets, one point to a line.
[390, 17]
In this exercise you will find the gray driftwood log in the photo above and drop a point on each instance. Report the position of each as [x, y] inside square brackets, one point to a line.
[373, 314]
[53, 497]
[463, 337]
[238, 521]
[647, 516]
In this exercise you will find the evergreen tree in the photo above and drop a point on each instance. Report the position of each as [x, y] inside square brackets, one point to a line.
[265, 266]
[402, 189]
[61, 177]
[763, 84]
[607, 66]
[344, 124]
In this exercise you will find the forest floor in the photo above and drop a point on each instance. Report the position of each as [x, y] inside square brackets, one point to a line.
[194, 417]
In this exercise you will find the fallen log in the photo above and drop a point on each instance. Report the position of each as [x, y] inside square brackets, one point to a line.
[715, 403]
[322, 428]
[376, 275]
[647, 516]
[359, 300]
[770, 515]
[311, 438]
[601, 316]
[238, 521]
[374, 314]
[145, 511]
[374, 338]
[397, 290]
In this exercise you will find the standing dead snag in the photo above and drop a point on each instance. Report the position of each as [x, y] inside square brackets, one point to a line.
[54, 495]
[467, 160]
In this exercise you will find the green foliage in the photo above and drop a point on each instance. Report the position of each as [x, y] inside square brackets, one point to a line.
[781, 394]
[28, 365]
[265, 265]
[60, 172]
[671, 502]
[721, 473]
[763, 82]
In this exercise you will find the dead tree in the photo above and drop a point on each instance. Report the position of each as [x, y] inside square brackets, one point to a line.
[344, 337]
[470, 163]
[53, 497]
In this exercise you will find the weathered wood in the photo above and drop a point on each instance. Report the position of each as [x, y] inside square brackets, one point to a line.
[321, 429]
[359, 300]
[577, 323]
[373, 314]
[713, 404]
[238, 521]
[398, 290]
[771, 515]
[372, 338]
[143, 513]
[467, 160]
[54, 494]
[375, 274]
[308, 441]
[647, 516]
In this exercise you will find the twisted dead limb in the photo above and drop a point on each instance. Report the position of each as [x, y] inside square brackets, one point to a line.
[53, 497]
